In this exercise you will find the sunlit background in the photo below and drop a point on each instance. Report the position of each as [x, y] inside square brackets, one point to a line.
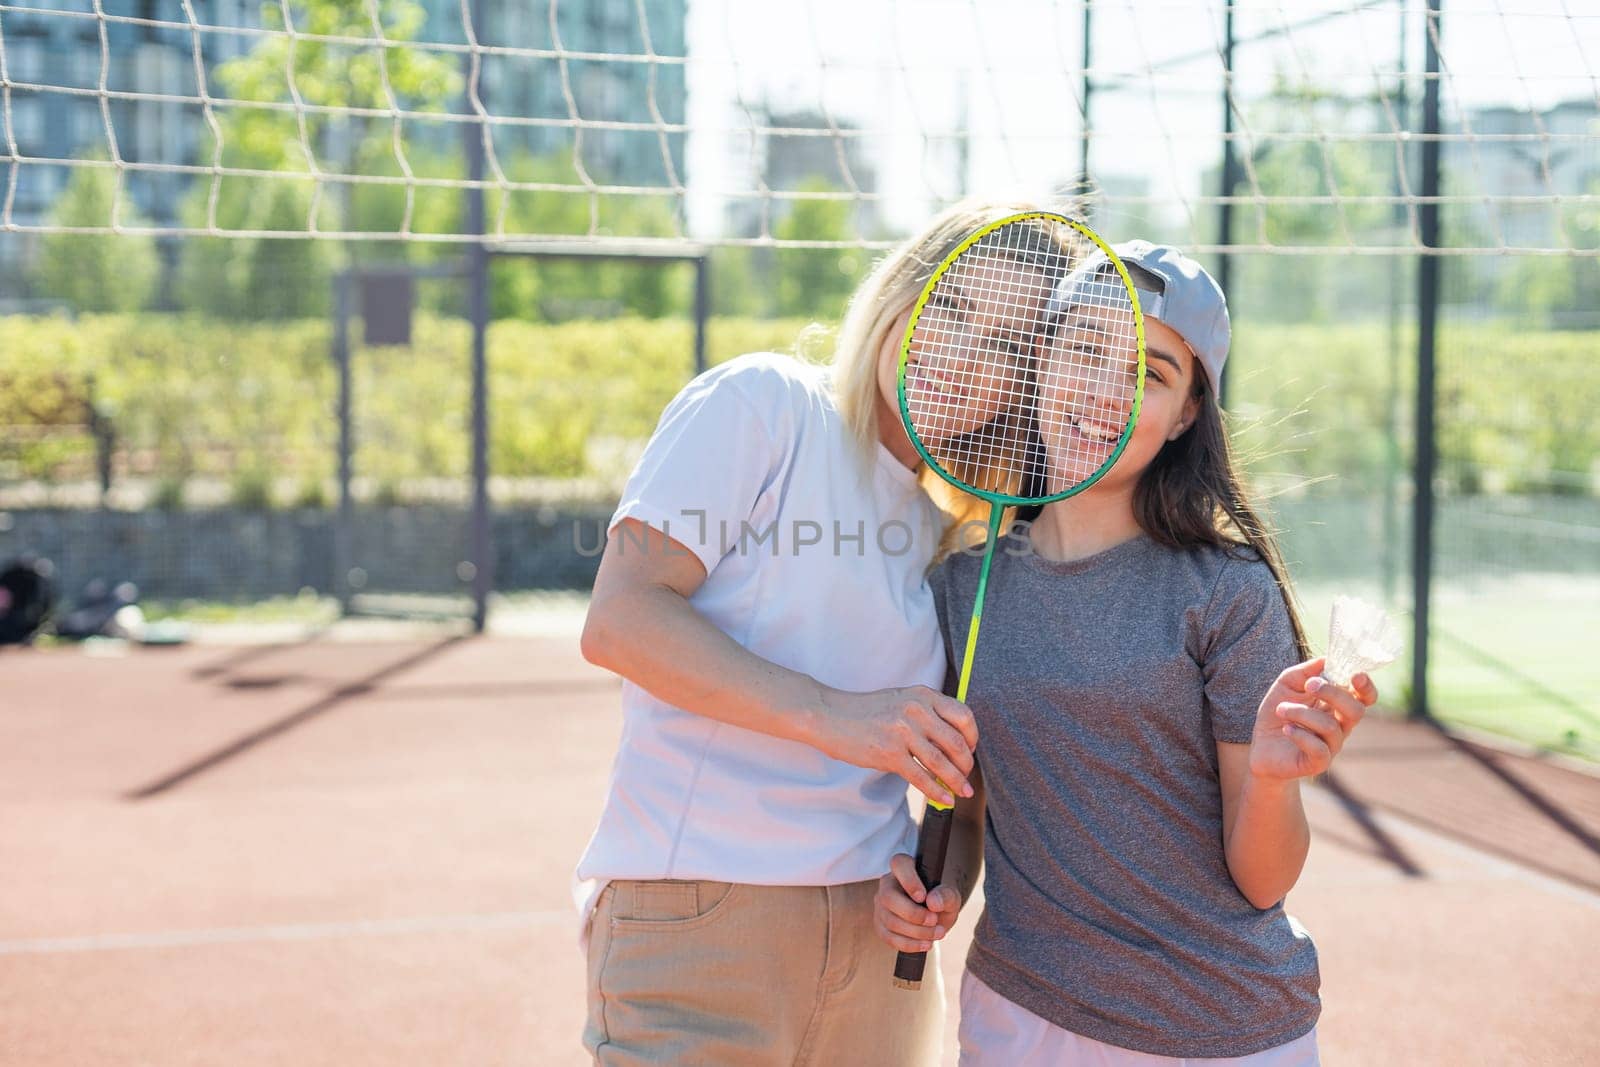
[330, 329]
[188, 187]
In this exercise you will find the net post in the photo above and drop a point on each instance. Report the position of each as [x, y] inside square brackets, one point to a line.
[1230, 178]
[1394, 460]
[1427, 323]
[482, 548]
[1088, 87]
[702, 309]
[341, 359]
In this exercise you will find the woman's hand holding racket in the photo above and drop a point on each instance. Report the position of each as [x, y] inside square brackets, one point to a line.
[920, 734]
[1304, 721]
[909, 917]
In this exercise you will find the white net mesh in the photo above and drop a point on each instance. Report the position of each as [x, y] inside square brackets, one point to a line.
[1021, 374]
[826, 124]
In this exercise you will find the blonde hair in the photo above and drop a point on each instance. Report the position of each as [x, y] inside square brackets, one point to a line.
[876, 308]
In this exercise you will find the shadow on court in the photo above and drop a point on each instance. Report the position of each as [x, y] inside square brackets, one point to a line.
[346, 853]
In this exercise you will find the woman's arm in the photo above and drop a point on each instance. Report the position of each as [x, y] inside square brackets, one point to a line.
[642, 626]
[1301, 725]
[1264, 831]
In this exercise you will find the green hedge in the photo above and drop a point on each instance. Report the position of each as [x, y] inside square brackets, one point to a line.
[254, 404]
[1514, 407]
[192, 397]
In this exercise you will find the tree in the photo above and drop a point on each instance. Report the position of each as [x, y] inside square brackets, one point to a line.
[278, 277]
[1323, 288]
[211, 270]
[815, 282]
[739, 281]
[331, 75]
[554, 290]
[97, 272]
[286, 278]
[1562, 289]
[254, 278]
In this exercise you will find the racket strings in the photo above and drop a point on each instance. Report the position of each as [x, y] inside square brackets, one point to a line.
[1023, 365]
[980, 346]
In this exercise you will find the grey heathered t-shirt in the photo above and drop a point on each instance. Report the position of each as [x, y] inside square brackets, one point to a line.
[1101, 687]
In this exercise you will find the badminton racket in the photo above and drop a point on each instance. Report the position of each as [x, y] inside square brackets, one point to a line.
[1021, 376]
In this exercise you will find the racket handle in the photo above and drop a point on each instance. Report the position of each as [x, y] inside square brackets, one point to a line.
[932, 841]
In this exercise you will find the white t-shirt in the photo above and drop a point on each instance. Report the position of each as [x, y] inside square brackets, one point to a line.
[815, 560]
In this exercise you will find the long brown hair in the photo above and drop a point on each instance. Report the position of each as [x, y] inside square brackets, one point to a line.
[1191, 495]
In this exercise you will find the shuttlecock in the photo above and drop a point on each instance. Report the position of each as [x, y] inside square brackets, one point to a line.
[1361, 637]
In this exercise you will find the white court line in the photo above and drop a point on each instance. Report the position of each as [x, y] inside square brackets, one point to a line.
[514, 920]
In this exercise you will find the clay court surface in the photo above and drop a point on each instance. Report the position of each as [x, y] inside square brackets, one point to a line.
[345, 851]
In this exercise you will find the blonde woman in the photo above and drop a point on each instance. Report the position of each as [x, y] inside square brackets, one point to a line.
[763, 595]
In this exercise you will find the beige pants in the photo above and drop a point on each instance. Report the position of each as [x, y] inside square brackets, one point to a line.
[710, 974]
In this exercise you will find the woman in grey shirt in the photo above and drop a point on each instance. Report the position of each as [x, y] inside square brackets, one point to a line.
[1143, 817]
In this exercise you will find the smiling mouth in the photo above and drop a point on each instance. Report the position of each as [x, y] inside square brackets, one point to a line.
[930, 379]
[1098, 433]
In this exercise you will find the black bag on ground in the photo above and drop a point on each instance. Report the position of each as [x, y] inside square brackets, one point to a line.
[27, 596]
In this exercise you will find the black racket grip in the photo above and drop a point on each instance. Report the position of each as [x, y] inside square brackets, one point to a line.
[932, 843]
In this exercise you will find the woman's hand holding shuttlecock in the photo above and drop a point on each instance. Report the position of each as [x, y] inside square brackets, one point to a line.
[1312, 707]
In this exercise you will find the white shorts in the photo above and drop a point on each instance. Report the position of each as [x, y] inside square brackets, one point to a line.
[997, 1033]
